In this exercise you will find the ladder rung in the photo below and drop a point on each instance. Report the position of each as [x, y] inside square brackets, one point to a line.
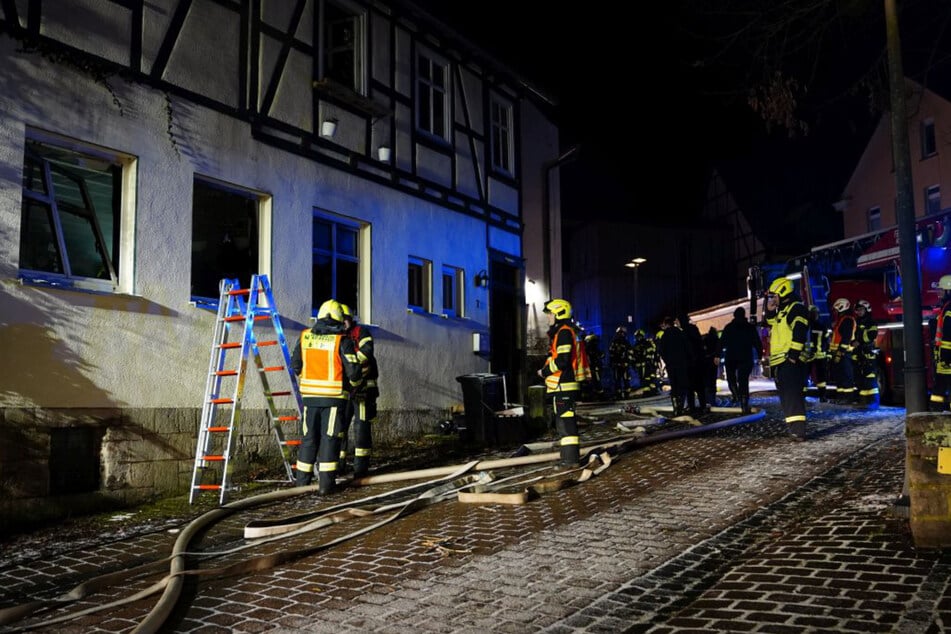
[285, 419]
[258, 317]
[271, 342]
[217, 428]
[292, 443]
[226, 373]
[221, 401]
[239, 291]
[287, 393]
[233, 344]
[213, 458]
[234, 318]
[272, 368]
[208, 487]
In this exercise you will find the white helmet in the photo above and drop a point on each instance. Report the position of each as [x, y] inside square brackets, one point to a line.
[945, 282]
[864, 305]
[841, 305]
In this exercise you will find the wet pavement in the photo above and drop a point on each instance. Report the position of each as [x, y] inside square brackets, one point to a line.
[739, 528]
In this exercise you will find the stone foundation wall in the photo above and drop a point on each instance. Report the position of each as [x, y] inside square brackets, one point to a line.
[130, 456]
[930, 491]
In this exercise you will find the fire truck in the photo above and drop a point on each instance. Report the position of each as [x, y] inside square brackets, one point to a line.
[868, 267]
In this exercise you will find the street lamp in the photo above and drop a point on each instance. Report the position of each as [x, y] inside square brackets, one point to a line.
[635, 264]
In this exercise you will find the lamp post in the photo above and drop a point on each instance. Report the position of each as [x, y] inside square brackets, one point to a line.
[635, 264]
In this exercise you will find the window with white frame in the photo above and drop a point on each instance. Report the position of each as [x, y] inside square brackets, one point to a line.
[226, 223]
[501, 137]
[432, 95]
[452, 288]
[342, 47]
[419, 284]
[74, 214]
[874, 219]
[336, 261]
[932, 199]
[928, 144]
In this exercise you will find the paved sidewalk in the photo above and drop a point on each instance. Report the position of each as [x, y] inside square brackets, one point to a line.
[738, 529]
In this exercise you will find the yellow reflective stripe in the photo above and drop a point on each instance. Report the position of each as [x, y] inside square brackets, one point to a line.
[570, 440]
[327, 466]
[563, 348]
[305, 467]
[361, 453]
[796, 418]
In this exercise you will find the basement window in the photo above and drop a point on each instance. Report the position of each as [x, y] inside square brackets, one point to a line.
[74, 460]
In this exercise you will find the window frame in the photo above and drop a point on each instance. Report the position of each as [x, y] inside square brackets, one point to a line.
[360, 241]
[419, 285]
[326, 52]
[453, 297]
[263, 202]
[873, 218]
[929, 146]
[502, 136]
[932, 199]
[426, 92]
[119, 264]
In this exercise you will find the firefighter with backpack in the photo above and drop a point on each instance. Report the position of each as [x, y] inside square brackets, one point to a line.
[564, 372]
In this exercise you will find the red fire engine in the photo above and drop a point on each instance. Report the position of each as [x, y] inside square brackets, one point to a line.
[868, 267]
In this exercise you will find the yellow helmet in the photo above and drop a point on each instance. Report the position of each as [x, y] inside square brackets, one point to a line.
[560, 308]
[331, 309]
[781, 287]
[945, 282]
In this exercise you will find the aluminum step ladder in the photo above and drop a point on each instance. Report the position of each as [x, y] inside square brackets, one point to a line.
[248, 325]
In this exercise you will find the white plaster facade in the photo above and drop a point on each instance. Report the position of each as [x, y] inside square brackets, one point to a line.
[177, 95]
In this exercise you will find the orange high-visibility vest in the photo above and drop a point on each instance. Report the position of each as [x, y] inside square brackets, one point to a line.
[322, 371]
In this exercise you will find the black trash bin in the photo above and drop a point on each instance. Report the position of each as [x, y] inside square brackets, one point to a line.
[483, 395]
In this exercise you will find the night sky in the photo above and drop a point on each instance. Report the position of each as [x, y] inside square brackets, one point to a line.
[654, 95]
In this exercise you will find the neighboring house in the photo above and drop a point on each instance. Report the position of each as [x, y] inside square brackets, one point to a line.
[348, 149]
[868, 202]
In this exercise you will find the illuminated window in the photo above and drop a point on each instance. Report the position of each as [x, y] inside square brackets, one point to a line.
[932, 199]
[502, 137]
[432, 95]
[874, 219]
[419, 284]
[928, 145]
[72, 221]
[226, 223]
[342, 47]
[452, 287]
[336, 261]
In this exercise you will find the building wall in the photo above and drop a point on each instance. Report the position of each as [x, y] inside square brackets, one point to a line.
[873, 182]
[131, 365]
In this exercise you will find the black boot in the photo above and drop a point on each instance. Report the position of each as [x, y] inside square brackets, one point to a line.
[303, 479]
[328, 482]
[745, 405]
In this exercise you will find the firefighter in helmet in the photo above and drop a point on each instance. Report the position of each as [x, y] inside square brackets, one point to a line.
[816, 354]
[592, 345]
[941, 393]
[865, 355]
[645, 359]
[840, 348]
[789, 330]
[564, 372]
[325, 360]
[362, 411]
[619, 356]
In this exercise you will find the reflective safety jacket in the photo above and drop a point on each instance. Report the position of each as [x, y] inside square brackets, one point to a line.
[843, 334]
[326, 362]
[363, 342]
[567, 364]
[789, 332]
[942, 340]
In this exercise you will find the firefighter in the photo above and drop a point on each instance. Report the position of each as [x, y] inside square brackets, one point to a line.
[816, 354]
[645, 359]
[325, 361]
[592, 345]
[941, 393]
[789, 329]
[619, 356]
[362, 411]
[672, 346]
[564, 372]
[840, 348]
[865, 355]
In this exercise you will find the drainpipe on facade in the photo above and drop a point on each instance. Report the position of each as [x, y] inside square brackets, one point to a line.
[547, 168]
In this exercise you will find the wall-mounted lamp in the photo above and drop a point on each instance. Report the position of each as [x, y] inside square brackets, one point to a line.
[481, 278]
[383, 153]
[328, 128]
